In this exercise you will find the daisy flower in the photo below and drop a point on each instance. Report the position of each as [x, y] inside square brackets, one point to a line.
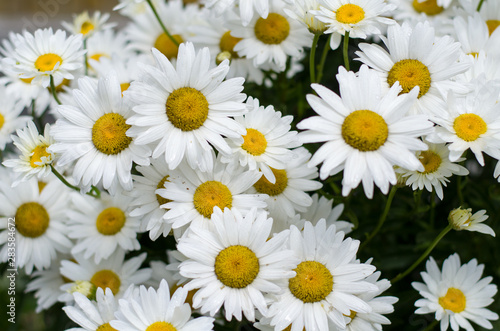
[474, 37]
[462, 219]
[456, 294]
[40, 223]
[302, 11]
[93, 315]
[86, 25]
[35, 159]
[490, 12]
[124, 3]
[157, 310]
[369, 132]
[235, 263]
[47, 54]
[10, 116]
[107, 45]
[272, 39]
[101, 226]
[321, 208]
[327, 284]
[164, 94]
[437, 169]
[417, 58]
[267, 141]
[247, 8]
[93, 133]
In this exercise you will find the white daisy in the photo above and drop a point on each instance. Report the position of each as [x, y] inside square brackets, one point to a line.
[10, 116]
[417, 58]
[462, 219]
[87, 25]
[235, 263]
[474, 37]
[109, 45]
[248, 9]
[47, 54]
[437, 169]
[40, 223]
[156, 310]
[93, 134]
[327, 283]
[456, 294]
[321, 207]
[369, 132]
[164, 94]
[302, 11]
[124, 3]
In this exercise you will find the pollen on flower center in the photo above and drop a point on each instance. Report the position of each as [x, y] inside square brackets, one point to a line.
[227, 43]
[236, 266]
[430, 160]
[108, 134]
[161, 326]
[350, 14]
[97, 56]
[492, 25]
[106, 278]
[351, 315]
[210, 194]
[32, 219]
[39, 152]
[2, 121]
[161, 184]
[254, 142]
[454, 300]
[47, 62]
[410, 73]
[266, 187]
[469, 127]
[106, 327]
[272, 30]
[428, 7]
[124, 87]
[87, 27]
[166, 46]
[110, 221]
[187, 108]
[312, 283]
[27, 80]
[365, 130]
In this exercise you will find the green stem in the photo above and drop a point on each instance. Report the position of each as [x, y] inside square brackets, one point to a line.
[161, 23]
[36, 120]
[424, 255]
[312, 56]
[53, 89]
[479, 5]
[432, 325]
[94, 192]
[323, 59]
[382, 218]
[346, 55]
[433, 208]
[459, 191]
[86, 58]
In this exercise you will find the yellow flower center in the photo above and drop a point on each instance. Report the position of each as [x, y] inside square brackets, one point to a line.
[492, 25]
[312, 283]
[124, 87]
[41, 186]
[87, 27]
[2, 121]
[32, 219]
[187, 108]
[430, 160]
[469, 127]
[108, 134]
[254, 142]
[266, 187]
[236, 266]
[429, 7]
[38, 153]
[365, 130]
[227, 43]
[27, 80]
[106, 327]
[454, 300]
[211, 194]
[161, 326]
[410, 73]
[350, 14]
[351, 315]
[110, 221]
[47, 62]
[106, 279]
[97, 56]
[272, 30]
[161, 184]
[166, 46]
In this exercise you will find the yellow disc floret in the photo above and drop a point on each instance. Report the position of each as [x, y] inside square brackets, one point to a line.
[187, 108]
[124, 87]
[365, 130]
[106, 327]
[312, 283]
[161, 326]
[210, 194]
[110, 221]
[87, 27]
[430, 160]
[350, 14]
[161, 184]
[469, 127]
[453, 300]
[266, 187]
[108, 134]
[254, 142]
[236, 266]
[166, 46]
[38, 153]
[492, 25]
[47, 62]
[227, 43]
[410, 73]
[428, 7]
[2, 120]
[272, 30]
[106, 278]
[32, 219]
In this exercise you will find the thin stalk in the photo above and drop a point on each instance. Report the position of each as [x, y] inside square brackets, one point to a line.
[432, 325]
[53, 89]
[346, 47]
[94, 192]
[424, 255]
[433, 208]
[479, 5]
[36, 120]
[323, 59]
[161, 23]
[85, 57]
[312, 56]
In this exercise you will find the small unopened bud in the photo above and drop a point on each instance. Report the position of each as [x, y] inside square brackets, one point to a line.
[84, 287]
[225, 55]
[460, 218]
